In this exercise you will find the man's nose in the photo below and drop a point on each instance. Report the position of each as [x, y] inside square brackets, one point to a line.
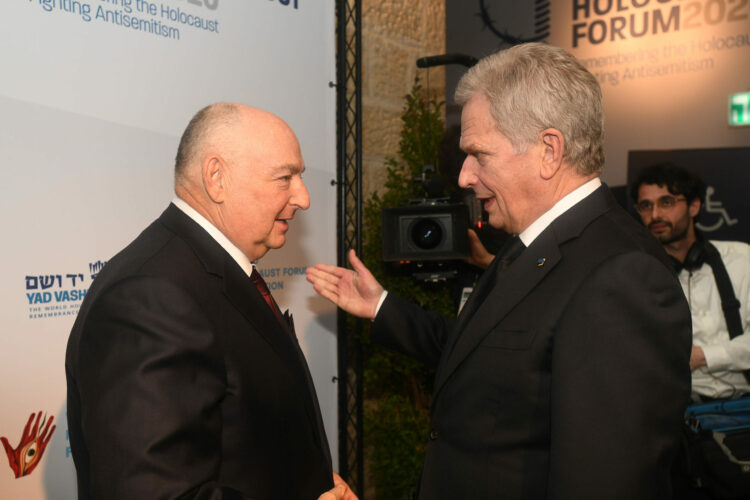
[301, 197]
[646, 215]
[467, 177]
[655, 211]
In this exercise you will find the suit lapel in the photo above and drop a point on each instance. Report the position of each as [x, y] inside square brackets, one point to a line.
[510, 287]
[481, 290]
[246, 298]
[238, 287]
[242, 293]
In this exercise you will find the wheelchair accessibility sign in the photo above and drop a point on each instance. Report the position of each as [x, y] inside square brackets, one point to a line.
[715, 211]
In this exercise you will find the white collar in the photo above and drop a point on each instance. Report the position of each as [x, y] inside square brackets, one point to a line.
[217, 235]
[529, 234]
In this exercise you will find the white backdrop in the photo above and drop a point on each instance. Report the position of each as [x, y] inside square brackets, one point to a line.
[94, 95]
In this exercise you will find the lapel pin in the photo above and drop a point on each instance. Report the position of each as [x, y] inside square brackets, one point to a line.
[540, 261]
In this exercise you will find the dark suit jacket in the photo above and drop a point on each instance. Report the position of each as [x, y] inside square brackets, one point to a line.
[569, 380]
[183, 384]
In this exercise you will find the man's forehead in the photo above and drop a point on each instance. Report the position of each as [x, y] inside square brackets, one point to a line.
[469, 123]
[476, 109]
[652, 191]
[474, 126]
[469, 142]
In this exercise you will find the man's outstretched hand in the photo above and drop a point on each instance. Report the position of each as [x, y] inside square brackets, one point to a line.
[340, 491]
[355, 291]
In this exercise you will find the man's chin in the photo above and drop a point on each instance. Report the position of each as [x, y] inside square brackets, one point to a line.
[667, 237]
[276, 241]
[497, 222]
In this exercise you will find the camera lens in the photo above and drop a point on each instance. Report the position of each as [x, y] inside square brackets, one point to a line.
[426, 234]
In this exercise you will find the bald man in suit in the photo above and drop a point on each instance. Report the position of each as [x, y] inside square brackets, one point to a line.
[184, 380]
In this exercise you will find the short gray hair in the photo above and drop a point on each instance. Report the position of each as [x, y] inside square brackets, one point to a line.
[535, 86]
[197, 132]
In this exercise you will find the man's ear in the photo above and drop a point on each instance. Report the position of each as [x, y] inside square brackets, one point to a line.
[694, 208]
[213, 175]
[553, 148]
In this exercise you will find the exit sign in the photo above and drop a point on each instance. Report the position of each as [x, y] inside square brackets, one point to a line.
[739, 109]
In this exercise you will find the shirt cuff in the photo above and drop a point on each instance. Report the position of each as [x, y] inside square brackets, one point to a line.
[380, 303]
[717, 357]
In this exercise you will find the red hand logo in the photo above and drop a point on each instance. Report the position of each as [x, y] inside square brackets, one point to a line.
[26, 456]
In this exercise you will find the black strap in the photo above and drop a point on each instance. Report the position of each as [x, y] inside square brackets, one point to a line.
[729, 303]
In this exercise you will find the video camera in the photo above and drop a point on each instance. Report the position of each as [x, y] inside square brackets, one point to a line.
[427, 237]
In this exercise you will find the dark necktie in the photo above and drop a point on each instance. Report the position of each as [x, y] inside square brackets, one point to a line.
[260, 284]
[511, 249]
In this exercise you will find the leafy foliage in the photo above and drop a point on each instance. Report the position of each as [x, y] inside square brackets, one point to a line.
[398, 388]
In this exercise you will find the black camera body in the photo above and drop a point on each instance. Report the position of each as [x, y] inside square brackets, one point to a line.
[428, 237]
[433, 230]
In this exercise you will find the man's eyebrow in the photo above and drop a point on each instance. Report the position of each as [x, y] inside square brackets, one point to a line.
[288, 168]
[469, 147]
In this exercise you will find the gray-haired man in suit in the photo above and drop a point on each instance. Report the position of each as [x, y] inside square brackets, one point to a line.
[566, 373]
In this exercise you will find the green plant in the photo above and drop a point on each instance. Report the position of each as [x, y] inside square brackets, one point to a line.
[397, 388]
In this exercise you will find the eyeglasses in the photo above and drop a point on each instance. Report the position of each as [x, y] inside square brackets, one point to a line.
[665, 201]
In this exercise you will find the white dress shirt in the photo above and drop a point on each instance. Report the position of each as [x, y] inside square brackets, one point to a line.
[242, 260]
[725, 358]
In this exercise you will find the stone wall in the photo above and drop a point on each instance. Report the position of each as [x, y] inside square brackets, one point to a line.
[395, 33]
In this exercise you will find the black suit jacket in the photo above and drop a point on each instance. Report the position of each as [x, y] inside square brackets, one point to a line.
[183, 384]
[569, 379]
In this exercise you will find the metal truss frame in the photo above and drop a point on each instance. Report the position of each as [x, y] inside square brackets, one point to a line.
[349, 199]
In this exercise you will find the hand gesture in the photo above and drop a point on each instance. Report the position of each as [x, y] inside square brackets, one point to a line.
[355, 291]
[340, 491]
